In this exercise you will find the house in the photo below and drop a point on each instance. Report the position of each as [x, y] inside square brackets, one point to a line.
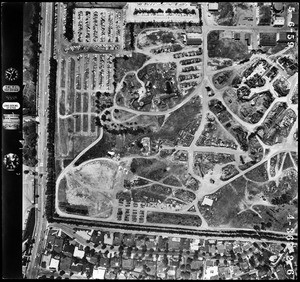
[93, 259]
[76, 268]
[108, 239]
[210, 272]
[185, 243]
[174, 243]
[267, 39]
[115, 262]
[128, 264]
[85, 234]
[68, 250]
[117, 239]
[196, 264]
[104, 262]
[97, 237]
[46, 261]
[213, 7]
[99, 273]
[195, 245]
[54, 264]
[78, 253]
[58, 245]
[221, 248]
[65, 264]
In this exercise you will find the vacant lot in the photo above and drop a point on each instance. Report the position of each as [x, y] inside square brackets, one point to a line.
[226, 47]
[174, 219]
[126, 64]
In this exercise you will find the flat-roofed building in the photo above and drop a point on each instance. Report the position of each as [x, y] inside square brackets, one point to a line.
[213, 6]
[279, 21]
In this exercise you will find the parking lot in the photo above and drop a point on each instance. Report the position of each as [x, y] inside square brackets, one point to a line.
[80, 78]
[96, 26]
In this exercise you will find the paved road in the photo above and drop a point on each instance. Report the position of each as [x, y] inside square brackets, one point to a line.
[41, 223]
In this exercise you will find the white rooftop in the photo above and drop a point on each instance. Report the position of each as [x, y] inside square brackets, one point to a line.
[98, 273]
[54, 264]
[207, 201]
[78, 253]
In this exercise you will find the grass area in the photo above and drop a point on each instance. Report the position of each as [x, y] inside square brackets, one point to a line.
[174, 219]
[226, 47]
[62, 107]
[30, 141]
[126, 64]
[185, 196]
[258, 174]
[172, 180]
[179, 120]
[28, 232]
[225, 206]
[99, 150]
[222, 79]
[151, 38]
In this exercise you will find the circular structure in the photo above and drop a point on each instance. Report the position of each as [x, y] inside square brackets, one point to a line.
[11, 74]
[11, 161]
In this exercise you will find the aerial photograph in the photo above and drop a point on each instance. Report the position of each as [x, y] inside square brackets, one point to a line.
[160, 140]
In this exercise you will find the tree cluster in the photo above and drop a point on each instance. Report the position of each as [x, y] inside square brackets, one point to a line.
[69, 21]
[50, 188]
[34, 38]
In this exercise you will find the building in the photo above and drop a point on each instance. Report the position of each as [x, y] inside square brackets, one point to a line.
[78, 253]
[54, 263]
[213, 7]
[227, 34]
[248, 38]
[279, 21]
[207, 201]
[267, 39]
[108, 239]
[46, 261]
[237, 36]
[193, 39]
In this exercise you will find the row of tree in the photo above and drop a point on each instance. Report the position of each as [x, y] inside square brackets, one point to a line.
[34, 38]
[69, 20]
[51, 177]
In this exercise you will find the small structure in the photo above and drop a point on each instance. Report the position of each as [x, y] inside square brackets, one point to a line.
[207, 201]
[279, 21]
[213, 7]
